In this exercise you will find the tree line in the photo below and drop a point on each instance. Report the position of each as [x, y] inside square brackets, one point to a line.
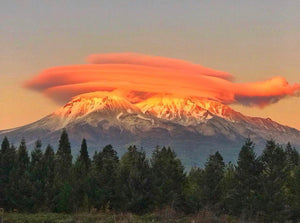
[264, 187]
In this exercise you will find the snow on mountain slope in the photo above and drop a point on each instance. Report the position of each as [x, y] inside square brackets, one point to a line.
[219, 109]
[85, 104]
[95, 107]
[203, 116]
[181, 110]
[193, 127]
[188, 111]
[184, 111]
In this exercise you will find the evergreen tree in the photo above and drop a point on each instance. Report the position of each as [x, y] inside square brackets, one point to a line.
[105, 191]
[7, 162]
[63, 158]
[36, 155]
[293, 195]
[212, 177]
[62, 179]
[4, 169]
[19, 191]
[65, 201]
[274, 176]
[80, 172]
[292, 155]
[135, 181]
[84, 158]
[293, 183]
[4, 146]
[168, 178]
[229, 183]
[22, 158]
[37, 176]
[247, 189]
[267, 186]
[193, 191]
[48, 164]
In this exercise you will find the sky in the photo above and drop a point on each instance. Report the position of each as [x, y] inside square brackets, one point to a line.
[254, 41]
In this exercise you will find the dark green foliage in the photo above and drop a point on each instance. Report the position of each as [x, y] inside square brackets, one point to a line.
[62, 176]
[80, 173]
[259, 189]
[292, 155]
[7, 162]
[136, 181]
[36, 156]
[193, 191]
[37, 176]
[274, 176]
[212, 178]
[248, 183]
[48, 163]
[63, 158]
[105, 191]
[293, 194]
[22, 162]
[168, 178]
[83, 157]
[4, 145]
[229, 184]
[19, 191]
[64, 200]
[293, 183]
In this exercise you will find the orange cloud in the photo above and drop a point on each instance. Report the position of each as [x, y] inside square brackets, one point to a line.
[158, 62]
[139, 77]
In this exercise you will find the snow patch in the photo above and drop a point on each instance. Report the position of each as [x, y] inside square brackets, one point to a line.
[144, 118]
[119, 115]
[209, 117]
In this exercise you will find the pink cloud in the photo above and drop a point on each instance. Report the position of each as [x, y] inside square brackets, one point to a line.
[138, 77]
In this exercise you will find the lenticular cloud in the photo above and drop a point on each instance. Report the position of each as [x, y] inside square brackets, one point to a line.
[138, 77]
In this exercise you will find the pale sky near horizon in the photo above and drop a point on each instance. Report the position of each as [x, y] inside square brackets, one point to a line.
[253, 40]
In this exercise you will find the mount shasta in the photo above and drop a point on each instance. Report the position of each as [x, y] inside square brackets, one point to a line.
[193, 127]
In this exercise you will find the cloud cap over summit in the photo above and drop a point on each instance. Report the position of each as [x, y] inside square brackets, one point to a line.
[138, 77]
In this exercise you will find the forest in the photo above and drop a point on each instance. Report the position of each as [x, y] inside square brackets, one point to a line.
[260, 188]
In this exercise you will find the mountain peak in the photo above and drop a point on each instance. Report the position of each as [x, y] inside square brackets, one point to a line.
[94, 102]
[179, 109]
[198, 124]
[184, 110]
[187, 110]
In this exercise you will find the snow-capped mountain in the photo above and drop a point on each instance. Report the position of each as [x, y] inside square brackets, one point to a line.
[83, 105]
[193, 127]
[187, 111]
[180, 110]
